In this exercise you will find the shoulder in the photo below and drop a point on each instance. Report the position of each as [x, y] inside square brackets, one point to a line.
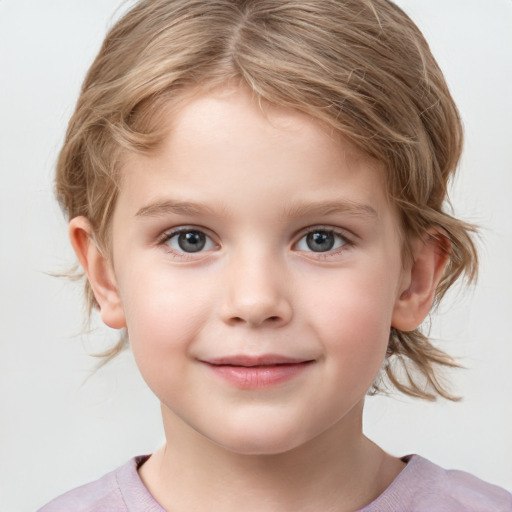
[118, 491]
[102, 494]
[423, 486]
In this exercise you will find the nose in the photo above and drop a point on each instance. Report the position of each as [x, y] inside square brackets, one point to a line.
[256, 293]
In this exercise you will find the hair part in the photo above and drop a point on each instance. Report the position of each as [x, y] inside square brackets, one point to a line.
[360, 66]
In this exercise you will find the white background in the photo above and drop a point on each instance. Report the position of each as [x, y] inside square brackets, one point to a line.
[59, 428]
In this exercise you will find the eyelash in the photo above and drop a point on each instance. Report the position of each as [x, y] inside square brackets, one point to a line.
[181, 254]
[184, 255]
[347, 242]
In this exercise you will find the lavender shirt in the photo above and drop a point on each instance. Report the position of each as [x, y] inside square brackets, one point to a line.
[420, 487]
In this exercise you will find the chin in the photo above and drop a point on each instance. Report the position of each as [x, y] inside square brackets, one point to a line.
[260, 447]
[267, 441]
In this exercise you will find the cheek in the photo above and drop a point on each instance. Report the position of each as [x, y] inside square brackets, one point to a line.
[354, 321]
[163, 313]
[358, 303]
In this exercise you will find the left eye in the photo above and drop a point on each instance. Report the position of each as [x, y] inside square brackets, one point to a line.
[321, 240]
[189, 241]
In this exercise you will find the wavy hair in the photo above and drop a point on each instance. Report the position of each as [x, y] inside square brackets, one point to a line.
[360, 66]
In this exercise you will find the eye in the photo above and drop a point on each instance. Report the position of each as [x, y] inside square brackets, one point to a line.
[321, 240]
[189, 241]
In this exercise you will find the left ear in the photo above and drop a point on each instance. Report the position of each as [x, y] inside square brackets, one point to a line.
[99, 271]
[421, 278]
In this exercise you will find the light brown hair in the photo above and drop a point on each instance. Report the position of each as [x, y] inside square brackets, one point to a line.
[361, 66]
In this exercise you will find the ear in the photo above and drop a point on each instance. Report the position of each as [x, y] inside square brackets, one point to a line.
[99, 272]
[421, 278]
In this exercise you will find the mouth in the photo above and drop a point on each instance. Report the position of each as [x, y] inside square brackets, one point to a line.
[256, 372]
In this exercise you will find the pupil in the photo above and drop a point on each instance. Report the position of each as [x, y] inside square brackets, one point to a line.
[320, 241]
[191, 241]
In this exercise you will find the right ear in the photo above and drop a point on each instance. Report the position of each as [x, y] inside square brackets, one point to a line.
[99, 272]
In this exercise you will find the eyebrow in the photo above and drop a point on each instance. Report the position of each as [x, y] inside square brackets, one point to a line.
[332, 207]
[166, 207]
[320, 209]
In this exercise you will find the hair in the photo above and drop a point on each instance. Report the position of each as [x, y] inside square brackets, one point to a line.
[360, 66]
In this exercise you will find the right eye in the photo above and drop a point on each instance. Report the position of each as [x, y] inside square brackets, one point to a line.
[322, 240]
[189, 241]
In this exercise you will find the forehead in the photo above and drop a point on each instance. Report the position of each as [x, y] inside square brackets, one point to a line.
[219, 115]
[228, 131]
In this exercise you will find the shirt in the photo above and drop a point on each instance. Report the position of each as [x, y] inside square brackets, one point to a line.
[421, 487]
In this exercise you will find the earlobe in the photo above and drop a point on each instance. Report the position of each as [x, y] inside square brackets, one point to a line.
[99, 272]
[429, 258]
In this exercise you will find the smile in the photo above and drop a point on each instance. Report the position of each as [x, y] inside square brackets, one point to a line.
[247, 372]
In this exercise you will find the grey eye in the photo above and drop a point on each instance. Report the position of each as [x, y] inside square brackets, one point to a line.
[321, 240]
[189, 241]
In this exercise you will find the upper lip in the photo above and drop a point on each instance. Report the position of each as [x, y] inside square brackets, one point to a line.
[261, 360]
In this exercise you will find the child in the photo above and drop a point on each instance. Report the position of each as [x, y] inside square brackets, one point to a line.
[255, 190]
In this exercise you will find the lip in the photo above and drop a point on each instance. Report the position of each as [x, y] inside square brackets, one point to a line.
[257, 372]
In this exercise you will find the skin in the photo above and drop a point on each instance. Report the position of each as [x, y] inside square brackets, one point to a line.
[256, 182]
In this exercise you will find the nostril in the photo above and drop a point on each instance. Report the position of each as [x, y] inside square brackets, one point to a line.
[240, 320]
[272, 313]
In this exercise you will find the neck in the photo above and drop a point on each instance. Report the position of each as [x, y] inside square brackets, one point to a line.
[340, 470]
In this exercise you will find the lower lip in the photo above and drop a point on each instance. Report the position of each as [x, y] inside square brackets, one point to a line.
[257, 377]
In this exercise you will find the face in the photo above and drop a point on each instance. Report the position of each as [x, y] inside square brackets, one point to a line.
[257, 263]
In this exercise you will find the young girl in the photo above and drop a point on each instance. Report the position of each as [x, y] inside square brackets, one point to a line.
[255, 191]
